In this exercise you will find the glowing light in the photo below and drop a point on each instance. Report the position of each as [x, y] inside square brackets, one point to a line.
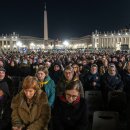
[32, 44]
[19, 44]
[66, 43]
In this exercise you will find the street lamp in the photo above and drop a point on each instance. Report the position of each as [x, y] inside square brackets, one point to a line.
[19, 44]
[66, 43]
[32, 45]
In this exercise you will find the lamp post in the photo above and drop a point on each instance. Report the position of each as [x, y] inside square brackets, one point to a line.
[66, 44]
[32, 46]
[19, 44]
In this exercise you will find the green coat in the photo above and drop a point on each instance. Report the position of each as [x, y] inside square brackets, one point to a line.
[35, 117]
[49, 88]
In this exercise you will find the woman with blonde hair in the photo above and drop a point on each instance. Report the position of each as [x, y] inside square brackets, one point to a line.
[46, 84]
[76, 69]
[30, 108]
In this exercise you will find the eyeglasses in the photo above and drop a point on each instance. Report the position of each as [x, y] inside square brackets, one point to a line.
[40, 73]
[71, 96]
[68, 72]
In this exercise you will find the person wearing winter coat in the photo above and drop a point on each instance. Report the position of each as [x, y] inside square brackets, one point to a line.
[46, 84]
[68, 76]
[70, 109]
[126, 80]
[56, 72]
[5, 110]
[111, 82]
[30, 108]
[92, 79]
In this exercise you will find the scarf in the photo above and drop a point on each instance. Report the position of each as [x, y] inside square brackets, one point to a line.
[42, 83]
[62, 98]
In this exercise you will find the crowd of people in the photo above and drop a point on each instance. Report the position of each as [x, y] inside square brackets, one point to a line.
[40, 91]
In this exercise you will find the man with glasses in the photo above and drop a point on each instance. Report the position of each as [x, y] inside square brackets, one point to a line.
[68, 76]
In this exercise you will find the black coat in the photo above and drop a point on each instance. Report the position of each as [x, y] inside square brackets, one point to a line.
[89, 79]
[126, 81]
[5, 114]
[56, 76]
[111, 83]
[5, 109]
[8, 82]
[67, 116]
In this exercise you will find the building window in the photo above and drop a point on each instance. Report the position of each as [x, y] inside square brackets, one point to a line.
[112, 40]
[94, 40]
[8, 42]
[4, 42]
[14, 42]
[115, 40]
[119, 39]
[0, 43]
[127, 40]
[97, 41]
[123, 40]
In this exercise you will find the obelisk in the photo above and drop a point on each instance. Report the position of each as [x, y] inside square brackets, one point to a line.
[45, 24]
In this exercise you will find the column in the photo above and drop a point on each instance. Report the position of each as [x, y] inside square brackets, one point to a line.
[45, 25]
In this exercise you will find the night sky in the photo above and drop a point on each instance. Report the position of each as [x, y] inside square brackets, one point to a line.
[66, 18]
